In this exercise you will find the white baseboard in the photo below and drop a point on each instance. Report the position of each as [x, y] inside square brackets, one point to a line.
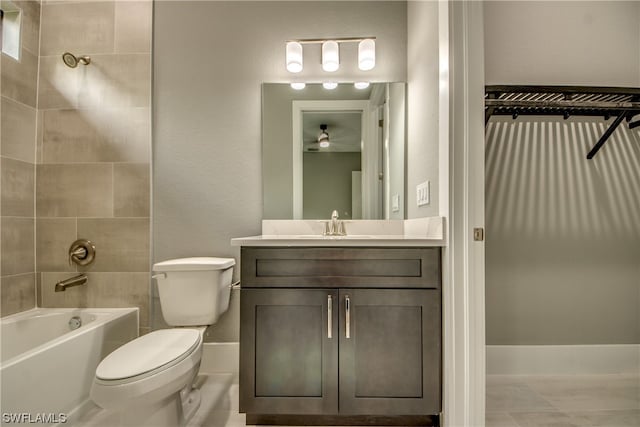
[563, 359]
[218, 358]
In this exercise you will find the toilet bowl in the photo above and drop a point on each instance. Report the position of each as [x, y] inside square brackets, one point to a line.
[148, 381]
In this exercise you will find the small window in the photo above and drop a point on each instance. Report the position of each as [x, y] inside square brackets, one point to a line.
[11, 17]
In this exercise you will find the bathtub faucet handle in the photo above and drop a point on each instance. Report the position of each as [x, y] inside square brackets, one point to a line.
[82, 252]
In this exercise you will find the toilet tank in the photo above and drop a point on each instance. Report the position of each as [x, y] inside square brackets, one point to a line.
[194, 291]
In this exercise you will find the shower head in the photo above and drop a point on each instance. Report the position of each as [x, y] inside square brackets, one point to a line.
[72, 61]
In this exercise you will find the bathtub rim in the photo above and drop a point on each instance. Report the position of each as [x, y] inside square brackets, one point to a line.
[107, 315]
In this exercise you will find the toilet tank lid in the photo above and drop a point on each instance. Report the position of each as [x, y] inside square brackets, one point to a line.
[193, 264]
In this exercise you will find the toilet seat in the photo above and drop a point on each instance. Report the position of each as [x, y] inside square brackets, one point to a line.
[155, 380]
[147, 355]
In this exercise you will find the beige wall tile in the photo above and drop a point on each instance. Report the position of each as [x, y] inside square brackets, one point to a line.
[17, 245]
[20, 79]
[74, 190]
[122, 80]
[18, 130]
[122, 244]
[131, 190]
[53, 238]
[101, 290]
[17, 293]
[30, 37]
[81, 28]
[133, 26]
[18, 188]
[99, 135]
[58, 83]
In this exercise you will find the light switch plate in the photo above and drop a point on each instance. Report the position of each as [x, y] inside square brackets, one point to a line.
[395, 203]
[423, 193]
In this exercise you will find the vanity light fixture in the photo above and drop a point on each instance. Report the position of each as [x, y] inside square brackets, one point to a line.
[298, 85]
[367, 54]
[330, 56]
[294, 57]
[329, 85]
[331, 53]
[361, 85]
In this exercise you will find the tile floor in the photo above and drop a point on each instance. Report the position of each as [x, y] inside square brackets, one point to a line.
[512, 401]
[563, 401]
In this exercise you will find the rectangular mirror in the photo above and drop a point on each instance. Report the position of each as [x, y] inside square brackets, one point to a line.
[341, 149]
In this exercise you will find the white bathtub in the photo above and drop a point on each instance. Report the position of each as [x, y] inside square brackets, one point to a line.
[46, 369]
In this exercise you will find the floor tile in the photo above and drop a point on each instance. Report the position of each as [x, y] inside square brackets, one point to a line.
[623, 418]
[500, 419]
[575, 400]
[589, 393]
[544, 419]
[513, 396]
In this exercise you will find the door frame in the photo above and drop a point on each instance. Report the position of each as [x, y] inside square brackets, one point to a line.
[462, 137]
[369, 155]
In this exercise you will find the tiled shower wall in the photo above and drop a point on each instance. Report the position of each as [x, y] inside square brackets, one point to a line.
[93, 153]
[17, 148]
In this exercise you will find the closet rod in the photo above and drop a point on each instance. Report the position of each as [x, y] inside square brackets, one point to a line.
[566, 101]
[496, 103]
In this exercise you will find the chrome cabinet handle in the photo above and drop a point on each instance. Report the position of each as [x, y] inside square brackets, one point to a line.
[329, 316]
[347, 317]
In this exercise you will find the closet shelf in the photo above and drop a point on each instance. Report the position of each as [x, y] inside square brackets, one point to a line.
[514, 100]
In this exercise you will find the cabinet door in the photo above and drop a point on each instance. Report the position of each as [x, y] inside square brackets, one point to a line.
[289, 351]
[389, 352]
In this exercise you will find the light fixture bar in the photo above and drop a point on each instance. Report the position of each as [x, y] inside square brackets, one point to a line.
[339, 40]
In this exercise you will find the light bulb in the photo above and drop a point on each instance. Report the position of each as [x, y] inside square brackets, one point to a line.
[329, 85]
[298, 85]
[330, 56]
[361, 85]
[294, 57]
[367, 54]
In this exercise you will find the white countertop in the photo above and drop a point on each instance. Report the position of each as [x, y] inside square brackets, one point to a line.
[421, 232]
[347, 241]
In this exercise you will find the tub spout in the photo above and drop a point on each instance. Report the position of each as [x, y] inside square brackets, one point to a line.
[62, 285]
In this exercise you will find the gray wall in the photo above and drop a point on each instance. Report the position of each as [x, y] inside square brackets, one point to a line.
[210, 59]
[327, 182]
[563, 232]
[562, 42]
[423, 77]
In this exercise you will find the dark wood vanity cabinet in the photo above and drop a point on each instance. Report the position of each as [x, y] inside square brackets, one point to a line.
[327, 331]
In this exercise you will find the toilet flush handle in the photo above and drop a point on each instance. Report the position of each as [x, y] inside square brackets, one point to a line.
[159, 275]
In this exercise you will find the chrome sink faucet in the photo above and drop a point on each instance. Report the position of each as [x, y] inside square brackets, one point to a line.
[334, 227]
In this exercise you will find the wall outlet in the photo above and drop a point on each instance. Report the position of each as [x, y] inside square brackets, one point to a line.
[423, 193]
[395, 203]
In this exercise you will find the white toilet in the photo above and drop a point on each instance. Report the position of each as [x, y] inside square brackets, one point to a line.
[148, 381]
